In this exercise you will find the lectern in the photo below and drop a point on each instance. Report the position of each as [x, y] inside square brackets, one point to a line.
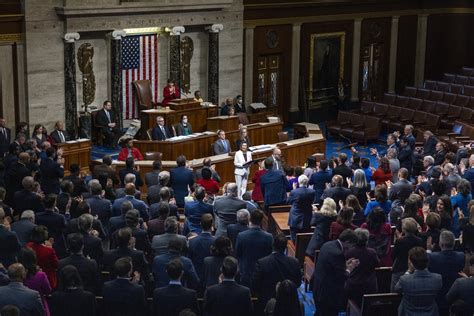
[76, 152]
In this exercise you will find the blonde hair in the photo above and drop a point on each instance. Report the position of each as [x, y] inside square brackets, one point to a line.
[329, 207]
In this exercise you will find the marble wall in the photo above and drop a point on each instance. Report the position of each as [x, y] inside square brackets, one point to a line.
[46, 22]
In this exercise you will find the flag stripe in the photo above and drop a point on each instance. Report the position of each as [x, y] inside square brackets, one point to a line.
[155, 57]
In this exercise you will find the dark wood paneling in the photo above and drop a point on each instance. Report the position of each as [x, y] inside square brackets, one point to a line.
[376, 31]
[406, 52]
[449, 44]
[285, 36]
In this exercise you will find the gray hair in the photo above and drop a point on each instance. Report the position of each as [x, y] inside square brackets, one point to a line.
[95, 186]
[164, 177]
[303, 180]
[362, 237]
[85, 222]
[391, 153]
[232, 189]
[171, 225]
[243, 216]
[429, 159]
[449, 168]
[360, 181]
[446, 240]
[28, 214]
[130, 178]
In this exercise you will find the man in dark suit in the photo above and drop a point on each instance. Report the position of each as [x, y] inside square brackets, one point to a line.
[402, 189]
[273, 185]
[9, 244]
[138, 232]
[106, 119]
[461, 295]
[5, 137]
[26, 199]
[123, 296]
[194, 210]
[301, 212]
[391, 144]
[24, 226]
[87, 268]
[17, 294]
[173, 298]
[405, 155]
[225, 209]
[100, 207]
[342, 169]
[92, 244]
[206, 163]
[152, 177]
[15, 174]
[74, 176]
[274, 268]
[429, 146]
[137, 204]
[320, 179]
[276, 160]
[221, 145]
[233, 230]
[330, 274]
[337, 192]
[161, 131]
[189, 279]
[105, 168]
[59, 135]
[117, 222]
[125, 248]
[130, 168]
[160, 242]
[51, 218]
[419, 287]
[200, 246]
[448, 263]
[51, 171]
[251, 245]
[219, 297]
[181, 179]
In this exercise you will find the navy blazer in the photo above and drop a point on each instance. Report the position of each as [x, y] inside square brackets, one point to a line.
[26, 200]
[50, 172]
[157, 134]
[400, 190]
[139, 261]
[200, 248]
[251, 245]
[319, 180]
[55, 222]
[301, 200]
[193, 211]
[189, 279]
[181, 178]
[100, 207]
[227, 299]
[172, 299]
[462, 289]
[5, 142]
[23, 229]
[28, 301]
[137, 204]
[233, 231]
[87, 268]
[115, 223]
[9, 246]
[448, 263]
[273, 185]
[138, 180]
[124, 298]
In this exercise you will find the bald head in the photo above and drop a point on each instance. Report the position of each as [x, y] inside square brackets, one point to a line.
[232, 189]
[28, 183]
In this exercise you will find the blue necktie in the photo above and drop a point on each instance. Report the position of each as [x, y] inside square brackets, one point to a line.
[225, 145]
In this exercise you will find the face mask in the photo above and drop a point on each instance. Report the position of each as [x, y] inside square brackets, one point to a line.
[239, 102]
[185, 121]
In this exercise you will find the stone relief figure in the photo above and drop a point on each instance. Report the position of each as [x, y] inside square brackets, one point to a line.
[187, 50]
[85, 55]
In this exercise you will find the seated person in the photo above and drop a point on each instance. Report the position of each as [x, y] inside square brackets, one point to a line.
[106, 120]
[170, 92]
[243, 138]
[59, 135]
[222, 145]
[183, 128]
[129, 151]
[161, 131]
[239, 105]
[229, 104]
[197, 96]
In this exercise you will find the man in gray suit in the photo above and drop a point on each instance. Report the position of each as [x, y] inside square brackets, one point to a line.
[15, 293]
[222, 145]
[160, 243]
[402, 189]
[226, 208]
[152, 177]
[418, 286]
[276, 158]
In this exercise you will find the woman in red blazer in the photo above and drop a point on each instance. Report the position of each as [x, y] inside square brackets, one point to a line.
[383, 172]
[257, 191]
[129, 149]
[46, 256]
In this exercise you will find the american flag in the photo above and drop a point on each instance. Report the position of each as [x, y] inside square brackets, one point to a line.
[139, 62]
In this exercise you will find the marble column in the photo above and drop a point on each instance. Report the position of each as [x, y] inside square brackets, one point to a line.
[213, 64]
[392, 68]
[175, 54]
[295, 67]
[421, 50]
[116, 73]
[70, 83]
[356, 61]
[249, 34]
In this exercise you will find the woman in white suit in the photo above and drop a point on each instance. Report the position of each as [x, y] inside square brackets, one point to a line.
[242, 173]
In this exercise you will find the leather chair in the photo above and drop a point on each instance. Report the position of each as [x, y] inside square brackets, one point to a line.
[401, 101]
[283, 136]
[414, 103]
[462, 100]
[467, 71]
[153, 155]
[469, 90]
[389, 98]
[243, 118]
[356, 122]
[430, 84]
[461, 80]
[449, 78]
[380, 109]
[443, 86]
[367, 107]
[343, 119]
[419, 118]
[453, 114]
[441, 108]
[423, 93]
[428, 106]
[436, 95]
[96, 135]
[393, 114]
[409, 92]
[369, 131]
[458, 140]
[466, 115]
[406, 117]
[149, 133]
[431, 123]
[471, 103]
[471, 80]
[144, 94]
[456, 89]
[449, 97]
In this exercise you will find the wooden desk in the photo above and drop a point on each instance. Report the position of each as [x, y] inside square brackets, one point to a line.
[261, 116]
[200, 146]
[76, 152]
[196, 116]
[184, 104]
[295, 153]
[280, 220]
[226, 123]
[304, 129]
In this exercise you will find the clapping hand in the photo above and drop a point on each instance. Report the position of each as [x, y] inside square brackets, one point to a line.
[429, 243]
[349, 182]
[351, 264]
[373, 151]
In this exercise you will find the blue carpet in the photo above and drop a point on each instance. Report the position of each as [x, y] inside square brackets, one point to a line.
[98, 152]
